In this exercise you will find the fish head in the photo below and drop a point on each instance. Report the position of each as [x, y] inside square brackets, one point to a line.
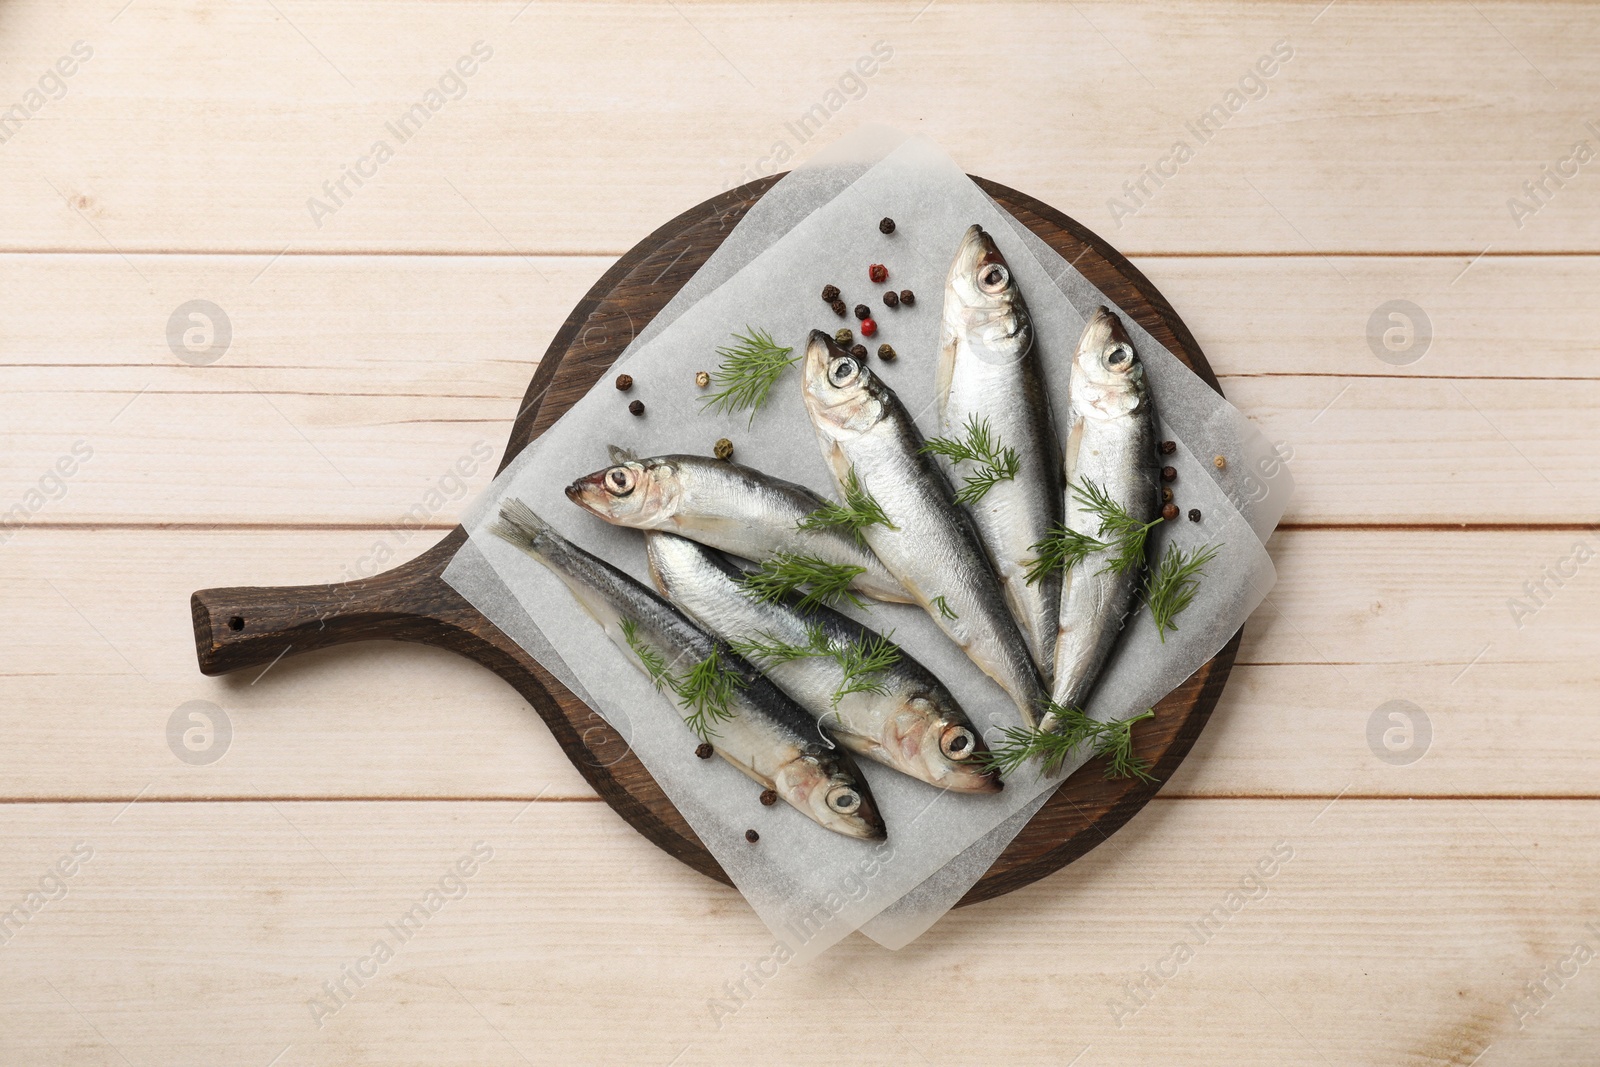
[826, 785]
[643, 494]
[932, 739]
[1107, 376]
[840, 392]
[983, 304]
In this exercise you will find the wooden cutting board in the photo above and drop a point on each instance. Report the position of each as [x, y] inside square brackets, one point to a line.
[242, 627]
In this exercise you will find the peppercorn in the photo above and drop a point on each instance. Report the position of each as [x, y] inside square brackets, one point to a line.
[878, 273]
[1168, 447]
[769, 797]
[624, 382]
[1169, 512]
[838, 308]
[891, 298]
[907, 297]
[868, 327]
[1166, 495]
[1194, 514]
[704, 750]
[702, 378]
[723, 449]
[886, 353]
[751, 836]
[1169, 474]
[863, 312]
[859, 351]
[636, 408]
[844, 337]
[1219, 463]
[830, 293]
[886, 225]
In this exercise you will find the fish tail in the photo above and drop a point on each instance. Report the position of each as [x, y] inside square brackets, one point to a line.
[520, 526]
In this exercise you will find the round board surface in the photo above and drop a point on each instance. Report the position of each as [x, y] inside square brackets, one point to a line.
[241, 627]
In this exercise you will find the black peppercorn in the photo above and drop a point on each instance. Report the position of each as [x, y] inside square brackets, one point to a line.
[769, 797]
[1168, 447]
[1194, 514]
[863, 312]
[1169, 474]
[830, 293]
[891, 298]
[886, 225]
[636, 408]
[704, 751]
[839, 308]
[751, 836]
[1169, 512]
[624, 382]
[859, 351]
[907, 297]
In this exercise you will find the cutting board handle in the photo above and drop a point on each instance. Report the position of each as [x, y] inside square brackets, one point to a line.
[252, 626]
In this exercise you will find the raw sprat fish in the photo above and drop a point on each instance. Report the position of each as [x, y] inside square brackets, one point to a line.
[1110, 451]
[898, 714]
[926, 541]
[761, 731]
[728, 506]
[989, 379]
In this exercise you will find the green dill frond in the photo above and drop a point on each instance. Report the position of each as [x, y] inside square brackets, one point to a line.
[859, 510]
[767, 649]
[977, 444]
[785, 573]
[748, 370]
[1171, 587]
[655, 665]
[1061, 550]
[705, 692]
[1123, 536]
[862, 660]
[1065, 730]
[944, 607]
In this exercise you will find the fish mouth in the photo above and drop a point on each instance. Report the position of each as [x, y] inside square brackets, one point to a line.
[581, 490]
[827, 381]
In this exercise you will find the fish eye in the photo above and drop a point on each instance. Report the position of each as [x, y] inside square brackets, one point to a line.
[619, 481]
[1119, 355]
[957, 743]
[844, 800]
[843, 371]
[993, 278]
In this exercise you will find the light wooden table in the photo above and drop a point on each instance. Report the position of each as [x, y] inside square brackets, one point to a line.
[210, 902]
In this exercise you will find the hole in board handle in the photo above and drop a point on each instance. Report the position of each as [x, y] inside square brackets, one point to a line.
[236, 623]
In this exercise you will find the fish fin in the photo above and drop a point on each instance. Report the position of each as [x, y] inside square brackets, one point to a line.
[621, 455]
[519, 525]
[947, 368]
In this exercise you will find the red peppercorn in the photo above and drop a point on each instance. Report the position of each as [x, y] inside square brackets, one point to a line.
[878, 273]
[868, 327]
[1169, 512]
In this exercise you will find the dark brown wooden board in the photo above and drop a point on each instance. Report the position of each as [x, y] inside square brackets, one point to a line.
[250, 627]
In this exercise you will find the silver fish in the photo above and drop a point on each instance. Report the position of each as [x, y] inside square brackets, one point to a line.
[989, 373]
[931, 546]
[768, 737]
[728, 506]
[1111, 441]
[914, 725]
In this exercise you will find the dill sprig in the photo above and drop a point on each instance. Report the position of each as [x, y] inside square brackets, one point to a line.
[1064, 731]
[977, 444]
[747, 372]
[785, 573]
[704, 692]
[1172, 585]
[944, 607]
[1119, 532]
[860, 661]
[859, 510]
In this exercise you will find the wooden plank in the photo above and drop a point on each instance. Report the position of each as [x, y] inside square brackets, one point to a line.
[355, 385]
[99, 656]
[1361, 141]
[1386, 932]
